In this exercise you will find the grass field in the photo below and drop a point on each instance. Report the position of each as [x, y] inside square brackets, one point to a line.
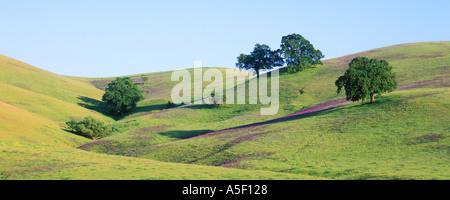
[315, 134]
[34, 147]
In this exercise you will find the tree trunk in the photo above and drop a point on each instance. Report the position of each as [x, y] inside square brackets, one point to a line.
[257, 74]
[372, 98]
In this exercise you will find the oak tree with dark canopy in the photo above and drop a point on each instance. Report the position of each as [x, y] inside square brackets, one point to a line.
[261, 58]
[121, 95]
[299, 53]
[366, 77]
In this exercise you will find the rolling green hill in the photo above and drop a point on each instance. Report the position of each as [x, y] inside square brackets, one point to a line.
[32, 147]
[353, 140]
[53, 96]
[35, 103]
[315, 135]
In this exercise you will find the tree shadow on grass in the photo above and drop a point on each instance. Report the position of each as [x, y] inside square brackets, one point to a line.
[290, 118]
[102, 107]
[202, 106]
[142, 109]
[184, 134]
[94, 104]
[322, 112]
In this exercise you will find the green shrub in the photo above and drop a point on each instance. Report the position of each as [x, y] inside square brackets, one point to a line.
[170, 104]
[218, 101]
[89, 127]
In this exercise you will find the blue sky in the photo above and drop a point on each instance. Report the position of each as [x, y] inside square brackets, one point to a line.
[111, 38]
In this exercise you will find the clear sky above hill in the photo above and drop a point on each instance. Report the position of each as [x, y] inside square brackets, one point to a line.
[110, 38]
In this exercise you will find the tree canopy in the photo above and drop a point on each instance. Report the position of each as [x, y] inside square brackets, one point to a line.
[121, 95]
[366, 77]
[261, 58]
[299, 52]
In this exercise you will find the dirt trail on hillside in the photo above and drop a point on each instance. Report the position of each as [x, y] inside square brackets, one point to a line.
[297, 115]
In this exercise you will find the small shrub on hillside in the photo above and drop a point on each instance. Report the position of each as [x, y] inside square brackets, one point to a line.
[145, 79]
[301, 91]
[218, 101]
[170, 104]
[89, 127]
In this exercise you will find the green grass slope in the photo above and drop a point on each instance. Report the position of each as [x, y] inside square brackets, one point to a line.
[297, 91]
[33, 144]
[54, 96]
[404, 135]
[315, 135]
[157, 89]
[33, 147]
[35, 103]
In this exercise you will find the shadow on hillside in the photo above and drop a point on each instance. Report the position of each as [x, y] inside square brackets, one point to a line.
[391, 100]
[292, 117]
[183, 134]
[201, 106]
[326, 111]
[284, 70]
[305, 115]
[94, 104]
[102, 107]
[142, 109]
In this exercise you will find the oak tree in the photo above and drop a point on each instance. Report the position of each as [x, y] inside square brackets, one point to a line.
[299, 53]
[365, 78]
[121, 95]
[261, 58]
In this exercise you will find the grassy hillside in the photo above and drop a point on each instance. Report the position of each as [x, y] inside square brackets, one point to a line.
[402, 136]
[315, 134]
[158, 87]
[405, 136]
[34, 145]
[56, 97]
